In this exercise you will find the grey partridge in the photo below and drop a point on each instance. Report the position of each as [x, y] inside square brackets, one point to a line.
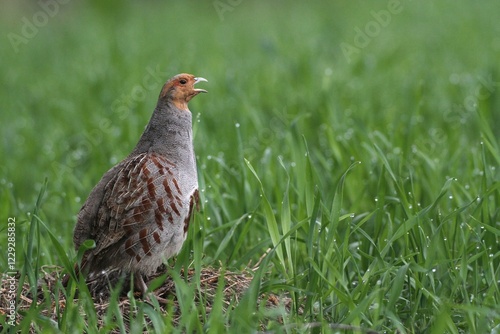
[139, 212]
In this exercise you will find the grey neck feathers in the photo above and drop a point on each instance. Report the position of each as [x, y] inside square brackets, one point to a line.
[168, 133]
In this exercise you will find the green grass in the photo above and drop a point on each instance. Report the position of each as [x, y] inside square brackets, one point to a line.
[373, 179]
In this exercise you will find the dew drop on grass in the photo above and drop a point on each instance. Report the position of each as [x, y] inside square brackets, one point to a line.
[208, 218]
[249, 216]
[376, 199]
[450, 197]
[77, 199]
[434, 270]
[237, 125]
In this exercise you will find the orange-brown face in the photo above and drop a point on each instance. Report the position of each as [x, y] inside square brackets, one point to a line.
[180, 89]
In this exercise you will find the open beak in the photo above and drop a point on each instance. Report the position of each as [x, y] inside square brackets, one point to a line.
[199, 90]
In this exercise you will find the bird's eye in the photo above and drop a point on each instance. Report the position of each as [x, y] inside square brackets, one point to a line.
[183, 81]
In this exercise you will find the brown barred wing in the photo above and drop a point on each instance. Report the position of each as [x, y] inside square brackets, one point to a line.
[138, 203]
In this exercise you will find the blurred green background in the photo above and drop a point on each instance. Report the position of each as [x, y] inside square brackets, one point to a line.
[80, 80]
[408, 88]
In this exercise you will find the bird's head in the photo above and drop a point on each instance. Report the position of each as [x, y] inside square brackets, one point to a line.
[179, 90]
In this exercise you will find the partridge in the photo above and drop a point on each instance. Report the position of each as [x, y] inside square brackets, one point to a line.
[139, 212]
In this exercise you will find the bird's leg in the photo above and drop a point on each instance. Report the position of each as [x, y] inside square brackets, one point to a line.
[143, 288]
[140, 284]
